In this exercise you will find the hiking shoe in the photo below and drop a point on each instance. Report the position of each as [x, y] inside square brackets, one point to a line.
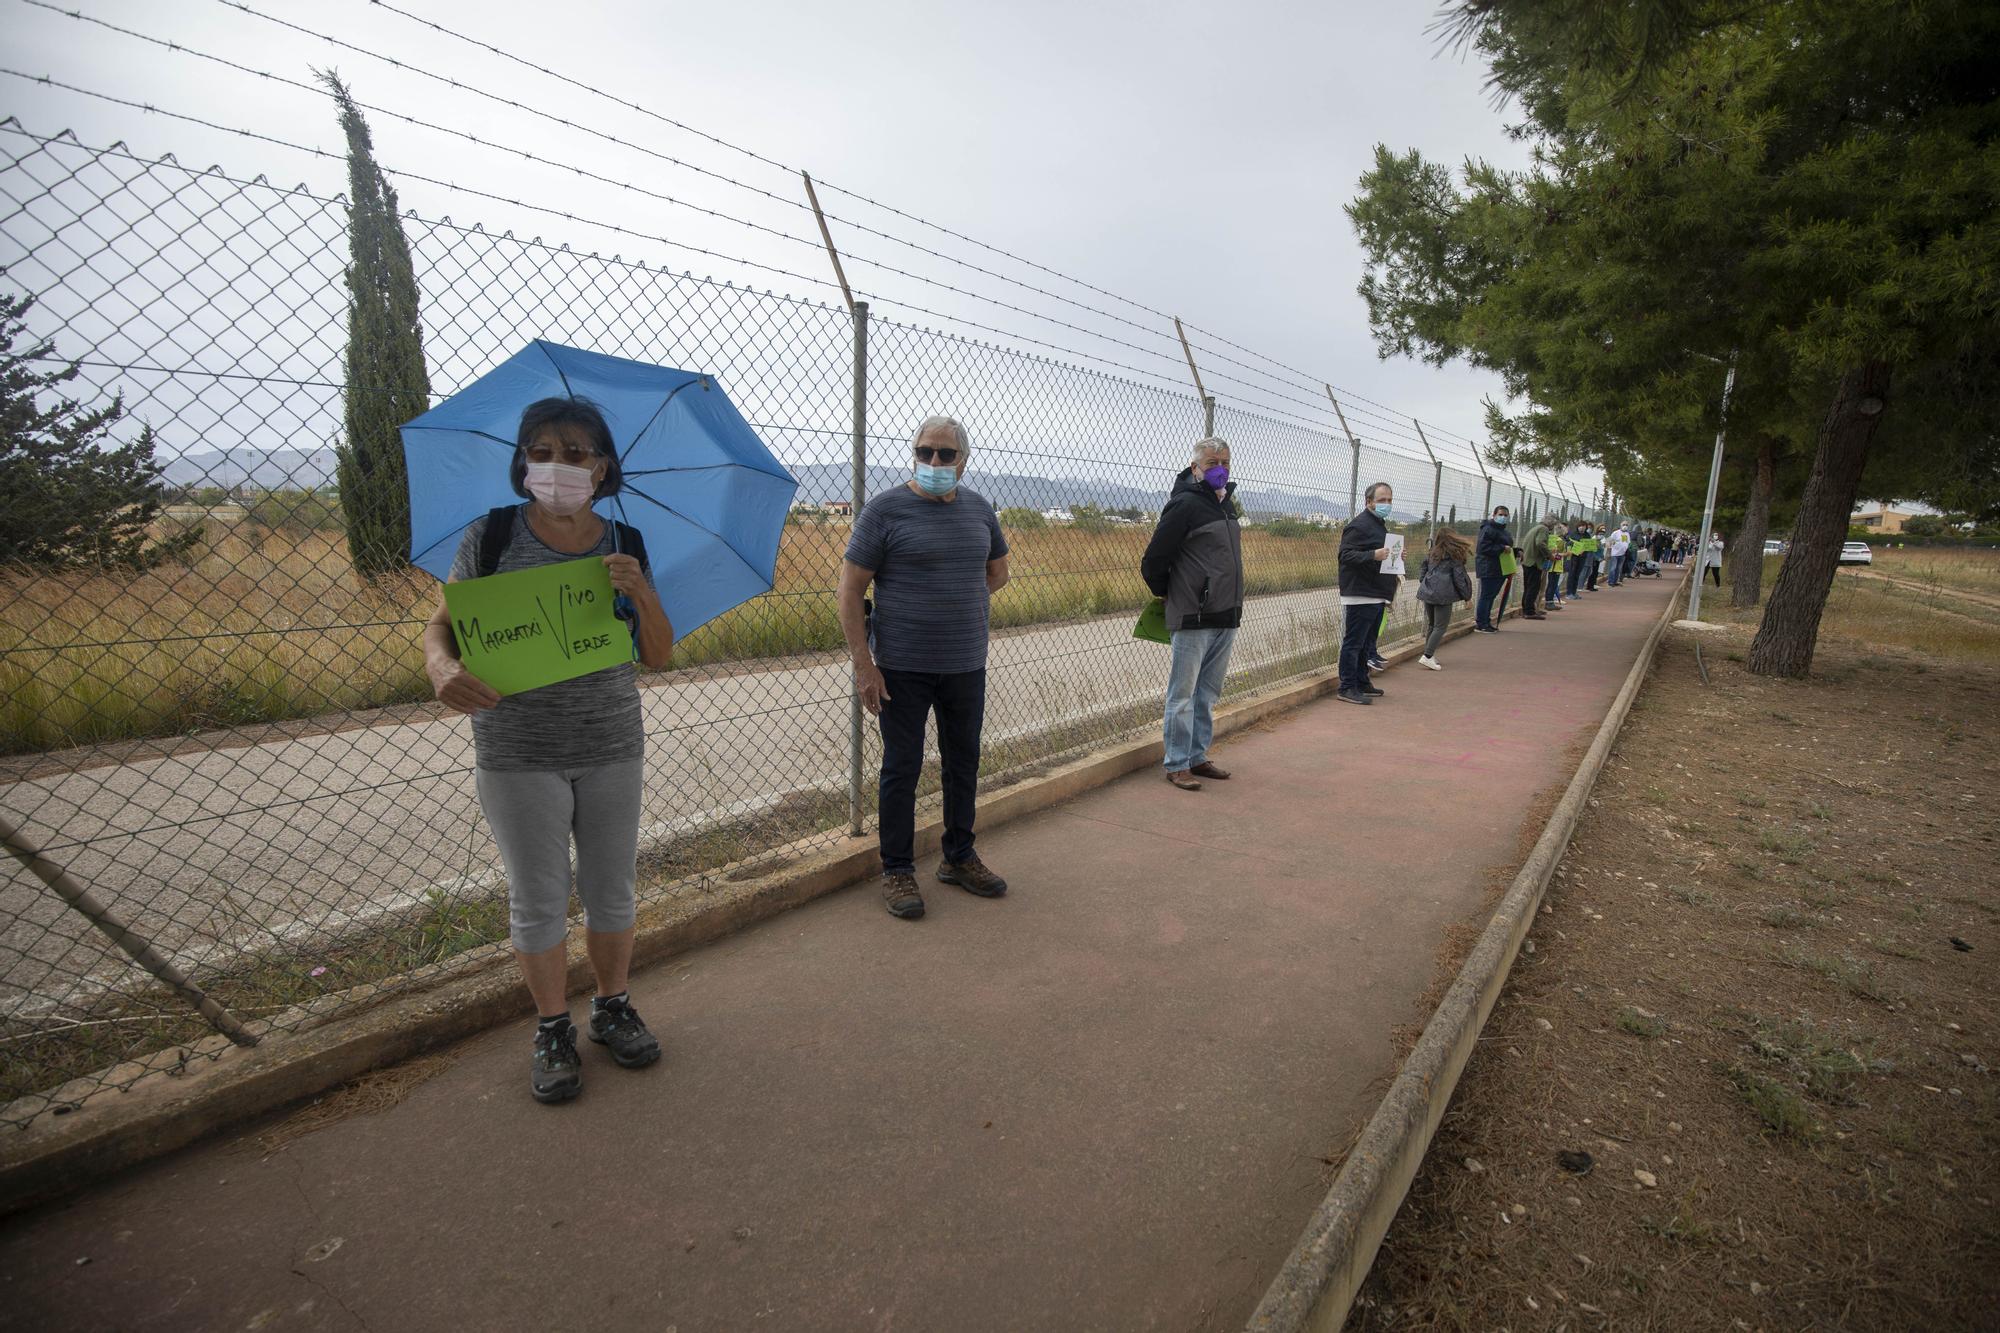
[1430, 662]
[1372, 691]
[1353, 697]
[556, 1074]
[899, 893]
[973, 877]
[619, 1029]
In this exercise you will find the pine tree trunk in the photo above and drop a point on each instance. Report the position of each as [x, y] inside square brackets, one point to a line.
[1790, 629]
[1747, 557]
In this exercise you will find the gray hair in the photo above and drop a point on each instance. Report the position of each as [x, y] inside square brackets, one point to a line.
[1204, 448]
[945, 423]
[1368, 496]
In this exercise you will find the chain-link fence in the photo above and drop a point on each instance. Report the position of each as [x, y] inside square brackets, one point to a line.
[227, 769]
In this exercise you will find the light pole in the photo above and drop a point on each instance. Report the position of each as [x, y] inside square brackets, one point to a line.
[1714, 479]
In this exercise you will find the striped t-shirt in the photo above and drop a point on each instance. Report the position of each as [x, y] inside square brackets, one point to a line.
[929, 559]
[577, 723]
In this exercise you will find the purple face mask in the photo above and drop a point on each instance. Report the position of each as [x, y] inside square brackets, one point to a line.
[1217, 477]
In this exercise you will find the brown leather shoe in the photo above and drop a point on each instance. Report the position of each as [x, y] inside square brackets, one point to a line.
[1184, 780]
[1205, 769]
[972, 876]
[900, 896]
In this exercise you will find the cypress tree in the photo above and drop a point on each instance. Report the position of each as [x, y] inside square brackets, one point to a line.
[70, 498]
[387, 383]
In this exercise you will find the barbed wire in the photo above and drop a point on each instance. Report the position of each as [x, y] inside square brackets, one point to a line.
[270, 76]
[1307, 380]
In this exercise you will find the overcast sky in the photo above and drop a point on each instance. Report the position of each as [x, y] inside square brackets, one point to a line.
[1192, 158]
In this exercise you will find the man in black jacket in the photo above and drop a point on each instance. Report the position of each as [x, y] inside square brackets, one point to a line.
[1195, 561]
[1493, 540]
[1365, 591]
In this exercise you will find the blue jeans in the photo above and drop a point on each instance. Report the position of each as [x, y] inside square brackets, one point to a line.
[1361, 628]
[1489, 588]
[1194, 683]
[1617, 570]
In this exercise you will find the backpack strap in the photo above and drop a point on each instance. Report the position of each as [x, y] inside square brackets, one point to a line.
[499, 531]
[634, 545]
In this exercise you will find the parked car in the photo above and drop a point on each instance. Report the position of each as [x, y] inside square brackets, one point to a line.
[1856, 553]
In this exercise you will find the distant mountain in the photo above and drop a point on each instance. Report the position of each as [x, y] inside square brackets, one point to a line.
[309, 469]
[819, 482]
[273, 469]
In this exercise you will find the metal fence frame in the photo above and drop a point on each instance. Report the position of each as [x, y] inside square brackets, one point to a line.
[258, 871]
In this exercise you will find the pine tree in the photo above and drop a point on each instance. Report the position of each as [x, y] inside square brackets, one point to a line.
[387, 383]
[69, 497]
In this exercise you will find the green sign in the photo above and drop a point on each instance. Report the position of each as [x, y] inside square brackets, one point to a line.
[534, 627]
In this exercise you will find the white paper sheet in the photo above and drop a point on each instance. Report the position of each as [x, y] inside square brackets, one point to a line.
[1394, 564]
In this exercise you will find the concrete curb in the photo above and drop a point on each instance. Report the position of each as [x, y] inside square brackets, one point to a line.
[187, 1098]
[1317, 1285]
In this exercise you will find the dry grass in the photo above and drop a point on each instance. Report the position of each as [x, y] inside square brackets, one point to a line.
[264, 625]
[1880, 615]
[1972, 569]
[1806, 1094]
[371, 1094]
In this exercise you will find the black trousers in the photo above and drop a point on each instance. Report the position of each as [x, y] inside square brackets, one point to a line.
[1531, 591]
[959, 700]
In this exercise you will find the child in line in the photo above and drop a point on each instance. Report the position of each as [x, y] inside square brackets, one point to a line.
[1440, 582]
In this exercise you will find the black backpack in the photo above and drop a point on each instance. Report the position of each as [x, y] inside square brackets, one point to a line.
[500, 531]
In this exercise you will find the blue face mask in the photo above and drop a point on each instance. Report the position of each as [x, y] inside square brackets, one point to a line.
[933, 480]
[1501, 519]
[1384, 509]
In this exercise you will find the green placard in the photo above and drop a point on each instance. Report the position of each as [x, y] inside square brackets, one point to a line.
[1152, 624]
[534, 627]
[1507, 562]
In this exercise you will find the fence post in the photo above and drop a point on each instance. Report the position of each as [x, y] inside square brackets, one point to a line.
[859, 498]
[1354, 468]
[1487, 512]
[1437, 477]
[138, 948]
[1207, 417]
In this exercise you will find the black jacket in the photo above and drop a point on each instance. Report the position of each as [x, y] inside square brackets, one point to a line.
[1360, 572]
[1493, 539]
[1195, 559]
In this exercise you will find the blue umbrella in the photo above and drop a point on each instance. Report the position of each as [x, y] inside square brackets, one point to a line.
[704, 491]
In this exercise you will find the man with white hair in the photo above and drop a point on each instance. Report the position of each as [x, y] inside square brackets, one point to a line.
[934, 551]
[1195, 561]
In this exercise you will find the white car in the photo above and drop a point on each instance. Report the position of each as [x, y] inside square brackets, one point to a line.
[1856, 553]
[1772, 546]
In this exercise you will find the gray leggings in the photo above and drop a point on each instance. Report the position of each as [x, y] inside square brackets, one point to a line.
[1436, 618]
[533, 815]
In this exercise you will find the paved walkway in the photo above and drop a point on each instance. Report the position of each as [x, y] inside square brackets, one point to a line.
[1102, 1102]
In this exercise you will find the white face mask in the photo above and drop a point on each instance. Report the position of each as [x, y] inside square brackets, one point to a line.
[560, 488]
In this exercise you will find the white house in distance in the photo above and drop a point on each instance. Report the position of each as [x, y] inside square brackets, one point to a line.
[1056, 515]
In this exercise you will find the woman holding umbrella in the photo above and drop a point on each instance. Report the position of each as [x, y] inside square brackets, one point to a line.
[563, 761]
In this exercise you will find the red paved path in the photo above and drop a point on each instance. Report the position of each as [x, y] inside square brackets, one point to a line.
[1099, 1103]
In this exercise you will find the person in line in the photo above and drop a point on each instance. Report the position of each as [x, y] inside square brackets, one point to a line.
[1711, 559]
[1534, 564]
[1593, 557]
[562, 763]
[1579, 559]
[1631, 544]
[1195, 561]
[1442, 581]
[1365, 591]
[1614, 557]
[935, 554]
[1558, 547]
[1493, 540]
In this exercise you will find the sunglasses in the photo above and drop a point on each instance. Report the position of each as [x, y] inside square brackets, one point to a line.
[927, 454]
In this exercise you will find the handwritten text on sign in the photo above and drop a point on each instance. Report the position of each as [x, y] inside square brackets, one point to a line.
[534, 627]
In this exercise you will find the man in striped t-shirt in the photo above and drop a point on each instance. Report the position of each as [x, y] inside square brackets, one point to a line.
[934, 551]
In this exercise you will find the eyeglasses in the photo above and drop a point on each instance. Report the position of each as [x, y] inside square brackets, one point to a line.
[576, 455]
[928, 454]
